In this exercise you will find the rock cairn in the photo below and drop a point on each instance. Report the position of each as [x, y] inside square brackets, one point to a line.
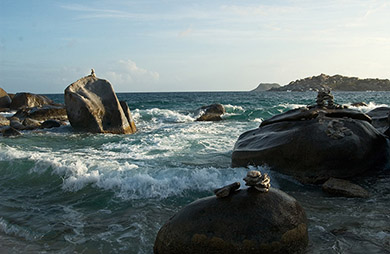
[323, 96]
[260, 182]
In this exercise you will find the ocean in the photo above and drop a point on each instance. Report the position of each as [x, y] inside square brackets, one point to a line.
[64, 191]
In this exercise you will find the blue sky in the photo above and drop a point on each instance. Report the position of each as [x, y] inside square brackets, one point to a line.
[173, 45]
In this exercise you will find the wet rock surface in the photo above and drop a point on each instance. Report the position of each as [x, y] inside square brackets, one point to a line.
[249, 221]
[313, 142]
[211, 112]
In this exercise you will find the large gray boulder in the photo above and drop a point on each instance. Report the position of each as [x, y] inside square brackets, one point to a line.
[247, 221]
[314, 145]
[92, 106]
[29, 100]
[380, 118]
[5, 100]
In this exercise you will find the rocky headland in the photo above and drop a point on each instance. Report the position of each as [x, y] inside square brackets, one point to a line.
[335, 83]
[265, 87]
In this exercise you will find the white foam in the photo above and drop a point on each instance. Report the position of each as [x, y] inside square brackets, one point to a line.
[233, 108]
[370, 106]
[16, 230]
[291, 105]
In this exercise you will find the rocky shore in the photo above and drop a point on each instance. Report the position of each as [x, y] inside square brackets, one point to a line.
[336, 83]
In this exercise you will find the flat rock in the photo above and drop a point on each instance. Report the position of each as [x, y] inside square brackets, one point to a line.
[340, 187]
[43, 113]
[247, 221]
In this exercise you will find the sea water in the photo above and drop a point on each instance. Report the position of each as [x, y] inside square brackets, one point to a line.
[64, 191]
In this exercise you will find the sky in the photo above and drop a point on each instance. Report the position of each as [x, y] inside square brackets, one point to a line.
[180, 45]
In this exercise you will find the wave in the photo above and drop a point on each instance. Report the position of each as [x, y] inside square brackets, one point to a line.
[370, 106]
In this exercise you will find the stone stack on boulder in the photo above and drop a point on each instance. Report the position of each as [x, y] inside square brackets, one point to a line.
[315, 143]
[92, 106]
[246, 221]
[211, 112]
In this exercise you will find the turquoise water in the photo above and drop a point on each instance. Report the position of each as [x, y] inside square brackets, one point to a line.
[69, 192]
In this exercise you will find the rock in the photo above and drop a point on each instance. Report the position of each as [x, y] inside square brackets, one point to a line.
[248, 221]
[344, 188]
[5, 100]
[128, 115]
[380, 118]
[16, 124]
[315, 142]
[4, 121]
[93, 106]
[31, 124]
[318, 148]
[211, 112]
[43, 113]
[227, 190]
[11, 132]
[50, 124]
[29, 100]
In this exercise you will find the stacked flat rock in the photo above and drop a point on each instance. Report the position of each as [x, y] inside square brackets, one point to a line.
[260, 182]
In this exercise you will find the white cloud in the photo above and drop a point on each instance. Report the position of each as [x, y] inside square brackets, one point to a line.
[126, 72]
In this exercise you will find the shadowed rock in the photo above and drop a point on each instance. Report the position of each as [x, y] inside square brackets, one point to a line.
[43, 113]
[380, 118]
[93, 106]
[5, 100]
[11, 132]
[248, 221]
[315, 142]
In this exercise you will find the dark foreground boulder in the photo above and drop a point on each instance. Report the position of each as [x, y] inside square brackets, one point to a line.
[247, 221]
[315, 143]
[92, 106]
[211, 112]
[340, 187]
[29, 100]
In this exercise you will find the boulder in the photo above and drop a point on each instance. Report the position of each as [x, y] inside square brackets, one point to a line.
[380, 118]
[92, 106]
[50, 124]
[4, 121]
[340, 187]
[128, 115]
[29, 100]
[43, 113]
[359, 104]
[247, 221]
[211, 112]
[31, 124]
[317, 148]
[11, 132]
[17, 124]
[5, 100]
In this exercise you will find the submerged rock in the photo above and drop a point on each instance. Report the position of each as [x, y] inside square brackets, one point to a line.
[50, 124]
[93, 106]
[314, 143]
[248, 221]
[344, 188]
[211, 112]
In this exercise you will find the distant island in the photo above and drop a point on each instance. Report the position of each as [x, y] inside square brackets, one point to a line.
[265, 87]
[335, 83]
